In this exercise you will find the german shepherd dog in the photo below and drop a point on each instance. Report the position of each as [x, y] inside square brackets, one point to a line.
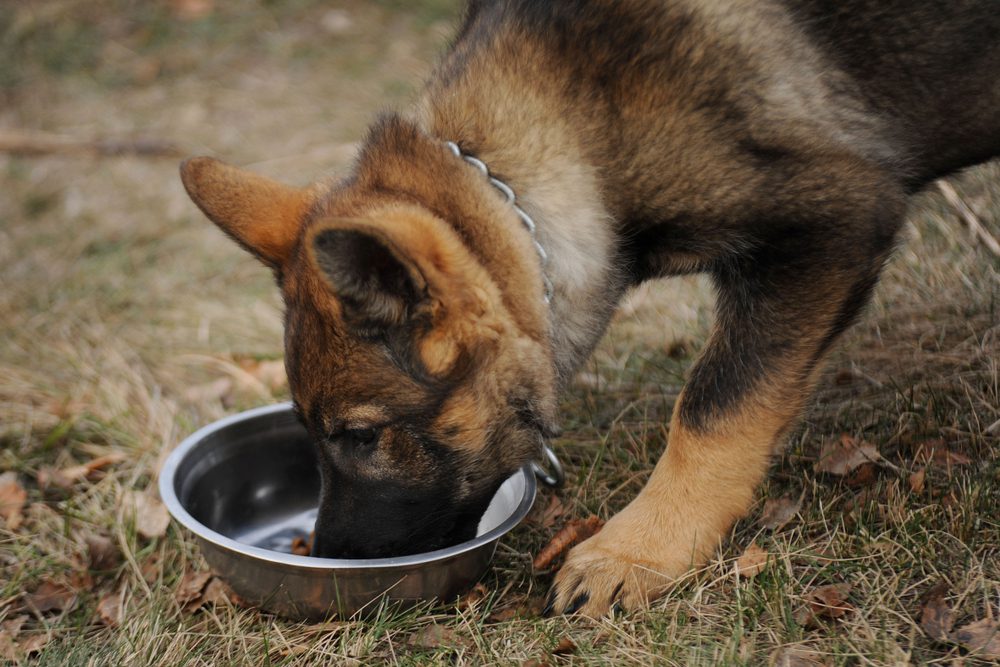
[771, 144]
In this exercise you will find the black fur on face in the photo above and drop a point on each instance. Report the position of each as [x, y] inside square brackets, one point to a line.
[365, 517]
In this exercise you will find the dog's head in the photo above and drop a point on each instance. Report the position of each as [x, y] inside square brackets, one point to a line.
[404, 363]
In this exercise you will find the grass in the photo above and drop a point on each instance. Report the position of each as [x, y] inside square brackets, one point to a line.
[118, 297]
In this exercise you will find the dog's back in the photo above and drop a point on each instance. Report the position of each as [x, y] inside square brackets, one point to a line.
[932, 67]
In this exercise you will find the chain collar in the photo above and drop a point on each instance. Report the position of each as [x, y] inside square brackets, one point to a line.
[526, 220]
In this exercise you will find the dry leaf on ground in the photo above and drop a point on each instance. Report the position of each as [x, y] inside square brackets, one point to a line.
[9, 631]
[215, 593]
[192, 10]
[433, 636]
[150, 568]
[981, 637]
[564, 647]
[796, 656]
[552, 513]
[824, 602]
[917, 480]
[210, 392]
[50, 596]
[65, 478]
[845, 455]
[12, 500]
[151, 516]
[936, 615]
[473, 597]
[752, 562]
[12, 626]
[529, 607]
[8, 649]
[779, 511]
[102, 553]
[110, 608]
[269, 372]
[191, 586]
[936, 452]
[576, 530]
[33, 643]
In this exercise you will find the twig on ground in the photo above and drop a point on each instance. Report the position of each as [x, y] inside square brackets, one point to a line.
[41, 143]
[971, 219]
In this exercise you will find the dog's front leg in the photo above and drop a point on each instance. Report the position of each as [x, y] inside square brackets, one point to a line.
[780, 307]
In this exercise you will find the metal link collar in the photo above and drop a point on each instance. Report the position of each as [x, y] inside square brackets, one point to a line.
[526, 220]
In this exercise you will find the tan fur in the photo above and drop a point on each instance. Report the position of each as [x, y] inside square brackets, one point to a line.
[703, 483]
[740, 138]
[264, 216]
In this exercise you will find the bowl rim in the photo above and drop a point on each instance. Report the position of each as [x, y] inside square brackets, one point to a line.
[167, 483]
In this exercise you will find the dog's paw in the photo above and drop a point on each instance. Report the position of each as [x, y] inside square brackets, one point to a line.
[624, 567]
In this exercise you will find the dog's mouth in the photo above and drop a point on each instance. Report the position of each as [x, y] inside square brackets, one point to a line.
[387, 532]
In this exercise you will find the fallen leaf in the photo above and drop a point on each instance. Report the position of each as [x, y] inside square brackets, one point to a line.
[110, 609]
[936, 615]
[33, 643]
[82, 471]
[191, 586]
[576, 530]
[210, 392]
[779, 511]
[845, 455]
[503, 615]
[192, 10]
[564, 647]
[476, 595]
[526, 607]
[52, 478]
[935, 451]
[12, 626]
[80, 580]
[215, 593]
[861, 500]
[12, 500]
[862, 476]
[50, 596]
[917, 480]
[534, 662]
[9, 630]
[269, 372]
[8, 649]
[102, 553]
[433, 636]
[796, 656]
[752, 562]
[981, 637]
[824, 602]
[151, 516]
[552, 512]
[150, 568]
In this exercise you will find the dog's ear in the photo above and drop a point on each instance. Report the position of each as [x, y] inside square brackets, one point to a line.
[262, 215]
[377, 284]
[407, 264]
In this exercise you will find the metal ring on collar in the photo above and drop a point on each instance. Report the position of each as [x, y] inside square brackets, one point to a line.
[504, 188]
[554, 479]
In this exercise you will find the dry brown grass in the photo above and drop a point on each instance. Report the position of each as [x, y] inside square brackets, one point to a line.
[117, 297]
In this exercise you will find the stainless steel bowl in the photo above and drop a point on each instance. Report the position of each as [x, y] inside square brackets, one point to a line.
[248, 484]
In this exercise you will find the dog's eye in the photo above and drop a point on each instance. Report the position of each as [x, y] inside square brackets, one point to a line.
[361, 436]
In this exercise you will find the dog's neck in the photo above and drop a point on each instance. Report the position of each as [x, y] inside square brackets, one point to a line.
[561, 193]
